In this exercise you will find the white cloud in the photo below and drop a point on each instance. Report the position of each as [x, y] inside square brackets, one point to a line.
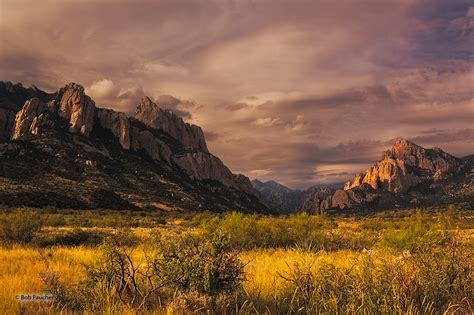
[102, 88]
[265, 122]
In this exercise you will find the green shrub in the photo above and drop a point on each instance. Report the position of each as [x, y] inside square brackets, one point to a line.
[187, 266]
[250, 231]
[19, 227]
[205, 266]
[418, 231]
[449, 218]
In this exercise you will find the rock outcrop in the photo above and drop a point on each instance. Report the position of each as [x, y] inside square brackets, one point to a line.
[117, 123]
[152, 116]
[357, 181]
[153, 147]
[316, 200]
[341, 199]
[406, 165]
[26, 121]
[203, 165]
[433, 163]
[78, 108]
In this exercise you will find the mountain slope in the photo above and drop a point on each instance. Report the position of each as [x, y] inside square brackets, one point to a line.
[63, 151]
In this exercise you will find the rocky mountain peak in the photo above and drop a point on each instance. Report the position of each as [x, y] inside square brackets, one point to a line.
[408, 164]
[75, 106]
[145, 104]
[152, 116]
[403, 148]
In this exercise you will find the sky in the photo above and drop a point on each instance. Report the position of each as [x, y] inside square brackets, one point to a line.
[301, 92]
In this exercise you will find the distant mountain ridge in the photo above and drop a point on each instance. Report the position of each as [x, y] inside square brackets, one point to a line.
[407, 175]
[49, 138]
[286, 200]
[279, 197]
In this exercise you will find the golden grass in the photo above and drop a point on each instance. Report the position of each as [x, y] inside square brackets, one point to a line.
[264, 267]
[20, 269]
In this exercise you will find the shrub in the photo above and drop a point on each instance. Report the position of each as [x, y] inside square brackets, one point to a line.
[449, 218]
[189, 267]
[250, 231]
[200, 265]
[19, 227]
[418, 231]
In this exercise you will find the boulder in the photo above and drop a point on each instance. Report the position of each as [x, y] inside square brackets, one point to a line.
[76, 107]
[117, 123]
[341, 200]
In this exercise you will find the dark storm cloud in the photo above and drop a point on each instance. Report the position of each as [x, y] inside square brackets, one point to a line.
[449, 32]
[463, 135]
[302, 92]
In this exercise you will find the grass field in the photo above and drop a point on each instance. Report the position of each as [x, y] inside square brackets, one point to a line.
[417, 262]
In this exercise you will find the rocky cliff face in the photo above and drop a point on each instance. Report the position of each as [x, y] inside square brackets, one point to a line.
[27, 119]
[205, 166]
[117, 123]
[406, 165]
[12, 98]
[153, 146]
[406, 176]
[77, 107]
[152, 116]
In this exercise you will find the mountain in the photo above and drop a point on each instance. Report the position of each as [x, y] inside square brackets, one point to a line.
[406, 165]
[60, 150]
[279, 197]
[407, 175]
[410, 175]
[284, 200]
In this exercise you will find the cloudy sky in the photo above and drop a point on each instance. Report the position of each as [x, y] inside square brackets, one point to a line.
[303, 92]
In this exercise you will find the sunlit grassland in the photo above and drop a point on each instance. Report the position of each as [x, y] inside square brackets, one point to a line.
[20, 269]
[277, 254]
